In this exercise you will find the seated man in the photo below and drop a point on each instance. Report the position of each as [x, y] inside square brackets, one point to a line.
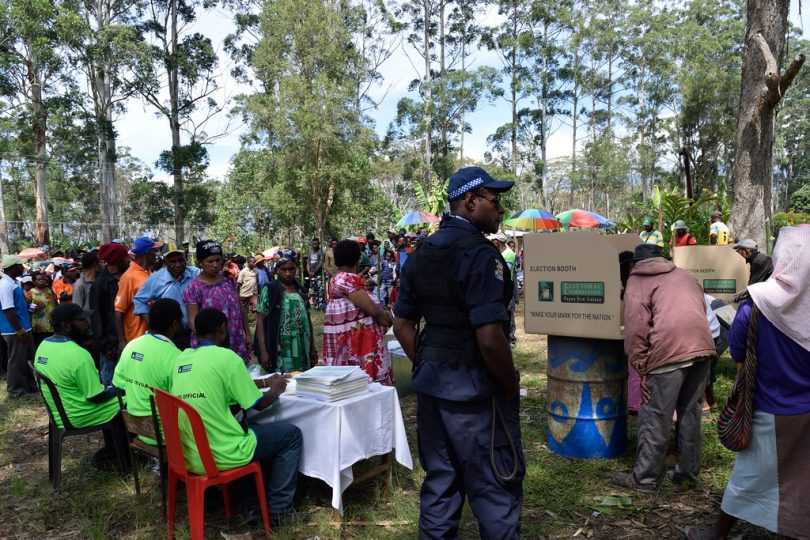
[211, 378]
[148, 360]
[72, 370]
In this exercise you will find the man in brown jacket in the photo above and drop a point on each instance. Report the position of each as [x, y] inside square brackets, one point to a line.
[667, 339]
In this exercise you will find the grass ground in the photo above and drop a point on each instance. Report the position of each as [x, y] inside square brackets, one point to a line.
[563, 497]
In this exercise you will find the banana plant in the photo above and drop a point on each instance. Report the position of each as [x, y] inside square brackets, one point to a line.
[434, 199]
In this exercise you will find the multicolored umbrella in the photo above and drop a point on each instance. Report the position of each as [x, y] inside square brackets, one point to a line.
[415, 218]
[533, 219]
[30, 253]
[583, 218]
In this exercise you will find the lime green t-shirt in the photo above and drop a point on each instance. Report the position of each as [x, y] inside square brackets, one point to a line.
[146, 361]
[509, 256]
[72, 370]
[211, 379]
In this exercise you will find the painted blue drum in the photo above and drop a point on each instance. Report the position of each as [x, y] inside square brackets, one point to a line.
[587, 397]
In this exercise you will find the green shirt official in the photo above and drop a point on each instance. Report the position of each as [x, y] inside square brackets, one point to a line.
[72, 370]
[145, 362]
[211, 379]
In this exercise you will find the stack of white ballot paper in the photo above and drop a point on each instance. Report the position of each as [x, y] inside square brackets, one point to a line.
[331, 383]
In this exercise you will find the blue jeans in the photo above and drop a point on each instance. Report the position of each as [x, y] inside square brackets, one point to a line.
[383, 291]
[278, 449]
[107, 368]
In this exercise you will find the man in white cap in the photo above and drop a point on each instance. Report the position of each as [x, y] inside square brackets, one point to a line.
[682, 236]
[15, 326]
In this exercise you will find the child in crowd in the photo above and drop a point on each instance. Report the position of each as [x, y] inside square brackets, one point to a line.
[387, 270]
[392, 296]
[42, 302]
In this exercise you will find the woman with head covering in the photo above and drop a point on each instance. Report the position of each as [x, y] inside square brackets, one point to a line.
[283, 328]
[769, 484]
[211, 289]
[354, 322]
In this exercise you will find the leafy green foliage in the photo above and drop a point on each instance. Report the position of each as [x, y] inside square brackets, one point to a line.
[309, 117]
[671, 207]
[787, 219]
[800, 200]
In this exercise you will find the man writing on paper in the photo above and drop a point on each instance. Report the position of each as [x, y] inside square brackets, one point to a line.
[212, 378]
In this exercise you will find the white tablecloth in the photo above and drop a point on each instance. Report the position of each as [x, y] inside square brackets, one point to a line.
[338, 435]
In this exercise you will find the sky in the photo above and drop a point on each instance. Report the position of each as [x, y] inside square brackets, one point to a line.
[147, 134]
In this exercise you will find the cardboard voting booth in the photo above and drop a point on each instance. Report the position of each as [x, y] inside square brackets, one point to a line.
[572, 285]
[720, 271]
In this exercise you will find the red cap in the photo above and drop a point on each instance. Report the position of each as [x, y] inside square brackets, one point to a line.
[112, 253]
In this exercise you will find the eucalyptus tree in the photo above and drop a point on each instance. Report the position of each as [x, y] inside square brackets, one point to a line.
[32, 35]
[104, 44]
[763, 86]
[512, 40]
[306, 62]
[176, 74]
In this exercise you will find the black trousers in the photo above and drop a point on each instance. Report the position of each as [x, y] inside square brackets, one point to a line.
[455, 451]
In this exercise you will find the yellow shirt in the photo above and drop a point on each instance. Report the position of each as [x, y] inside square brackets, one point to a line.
[719, 229]
[652, 237]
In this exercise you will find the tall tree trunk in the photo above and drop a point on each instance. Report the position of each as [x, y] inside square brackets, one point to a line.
[610, 98]
[513, 87]
[544, 98]
[574, 117]
[428, 98]
[442, 75]
[174, 122]
[3, 224]
[107, 185]
[39, 128]
[102, 97]
[762, 89]
[463, 101]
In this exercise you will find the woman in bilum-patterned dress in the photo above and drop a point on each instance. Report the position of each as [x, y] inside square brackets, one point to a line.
[354, 322]
[212, 289]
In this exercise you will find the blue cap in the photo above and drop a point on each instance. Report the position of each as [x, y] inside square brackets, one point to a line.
[143, 245]
[472, 178]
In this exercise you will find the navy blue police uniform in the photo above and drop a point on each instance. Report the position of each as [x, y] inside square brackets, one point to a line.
[469, 433]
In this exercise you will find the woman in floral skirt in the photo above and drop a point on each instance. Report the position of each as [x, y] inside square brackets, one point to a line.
[354, 323]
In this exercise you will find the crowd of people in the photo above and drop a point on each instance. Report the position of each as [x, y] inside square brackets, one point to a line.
[120, 319]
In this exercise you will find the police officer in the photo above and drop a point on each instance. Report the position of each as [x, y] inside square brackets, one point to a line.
[464, 377]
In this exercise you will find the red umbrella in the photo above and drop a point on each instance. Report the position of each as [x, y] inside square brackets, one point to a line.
[30, 253]
[582, 218]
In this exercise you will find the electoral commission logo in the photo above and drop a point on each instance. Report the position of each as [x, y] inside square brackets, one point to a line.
[573, 292]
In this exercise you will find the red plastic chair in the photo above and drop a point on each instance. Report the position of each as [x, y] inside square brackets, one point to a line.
[169, 407]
